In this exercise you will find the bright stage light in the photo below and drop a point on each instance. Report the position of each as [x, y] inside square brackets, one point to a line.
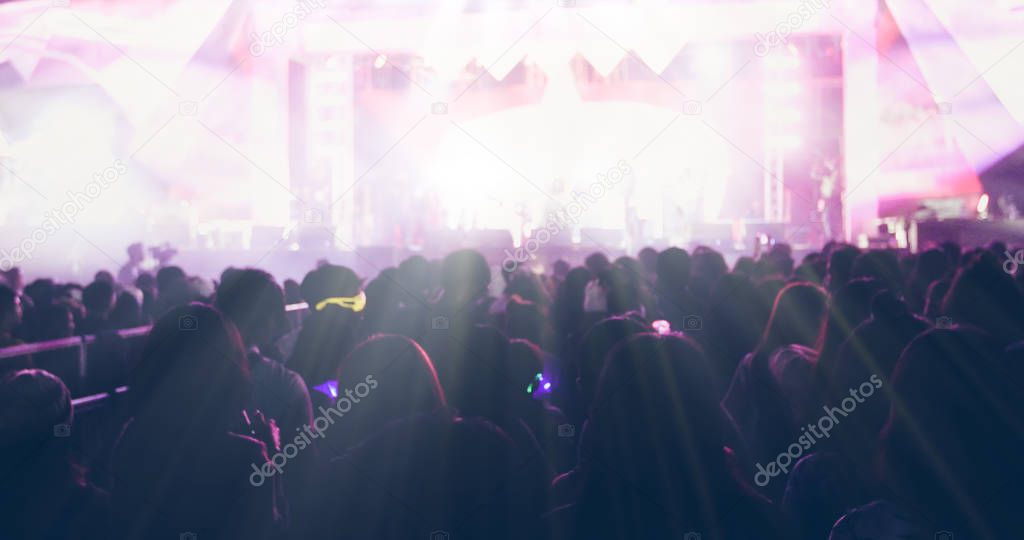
[983, 204]
[713, 64]
[783, 117]
[779, 90]
[81, 135]
[785, 142]
[380, 61]
[782, 61]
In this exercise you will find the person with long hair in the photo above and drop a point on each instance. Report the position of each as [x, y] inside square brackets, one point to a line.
[185, 459]
[774, 386]
[656, 461]
[385, 378]
[951, 449]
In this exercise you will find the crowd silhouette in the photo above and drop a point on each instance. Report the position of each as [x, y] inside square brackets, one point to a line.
[851, 395]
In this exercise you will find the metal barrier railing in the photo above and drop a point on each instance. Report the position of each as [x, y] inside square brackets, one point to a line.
[82, 344]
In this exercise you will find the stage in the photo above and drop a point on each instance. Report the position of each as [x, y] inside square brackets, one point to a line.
[605, 127]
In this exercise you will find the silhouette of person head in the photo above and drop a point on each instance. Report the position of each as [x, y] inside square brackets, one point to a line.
[192, 376]
[796, 319]
[951, 447]
[328, 333]
[673, 270]
[253, 301]
[36, 415]
[385, 378]
[593, 349]
[656, 463]
[98, 299]
[465, 277]
[983, 295]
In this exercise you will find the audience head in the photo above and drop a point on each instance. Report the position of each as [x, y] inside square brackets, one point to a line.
[253, 301]
[54, 321]
[136, 252]
[953, 443]
[170, 278]
[796, 319]
[930, 265]
[707, 266]
[559, 270]
[880, 265]
[849, 306]
[192, 375]
[596, 262]
[465, 276]
[648, 258]
[594, 347]
[654, 443]
[98, 298]
[104, 276]
[983, 295]
[385, 378]
[840, 265]
[328, 333]
[35, 413]
[127, 310]
[41, 291]
[673, 270]
[414, 277]
[329, 281]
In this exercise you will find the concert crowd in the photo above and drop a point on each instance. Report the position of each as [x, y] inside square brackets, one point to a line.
[852, 394]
